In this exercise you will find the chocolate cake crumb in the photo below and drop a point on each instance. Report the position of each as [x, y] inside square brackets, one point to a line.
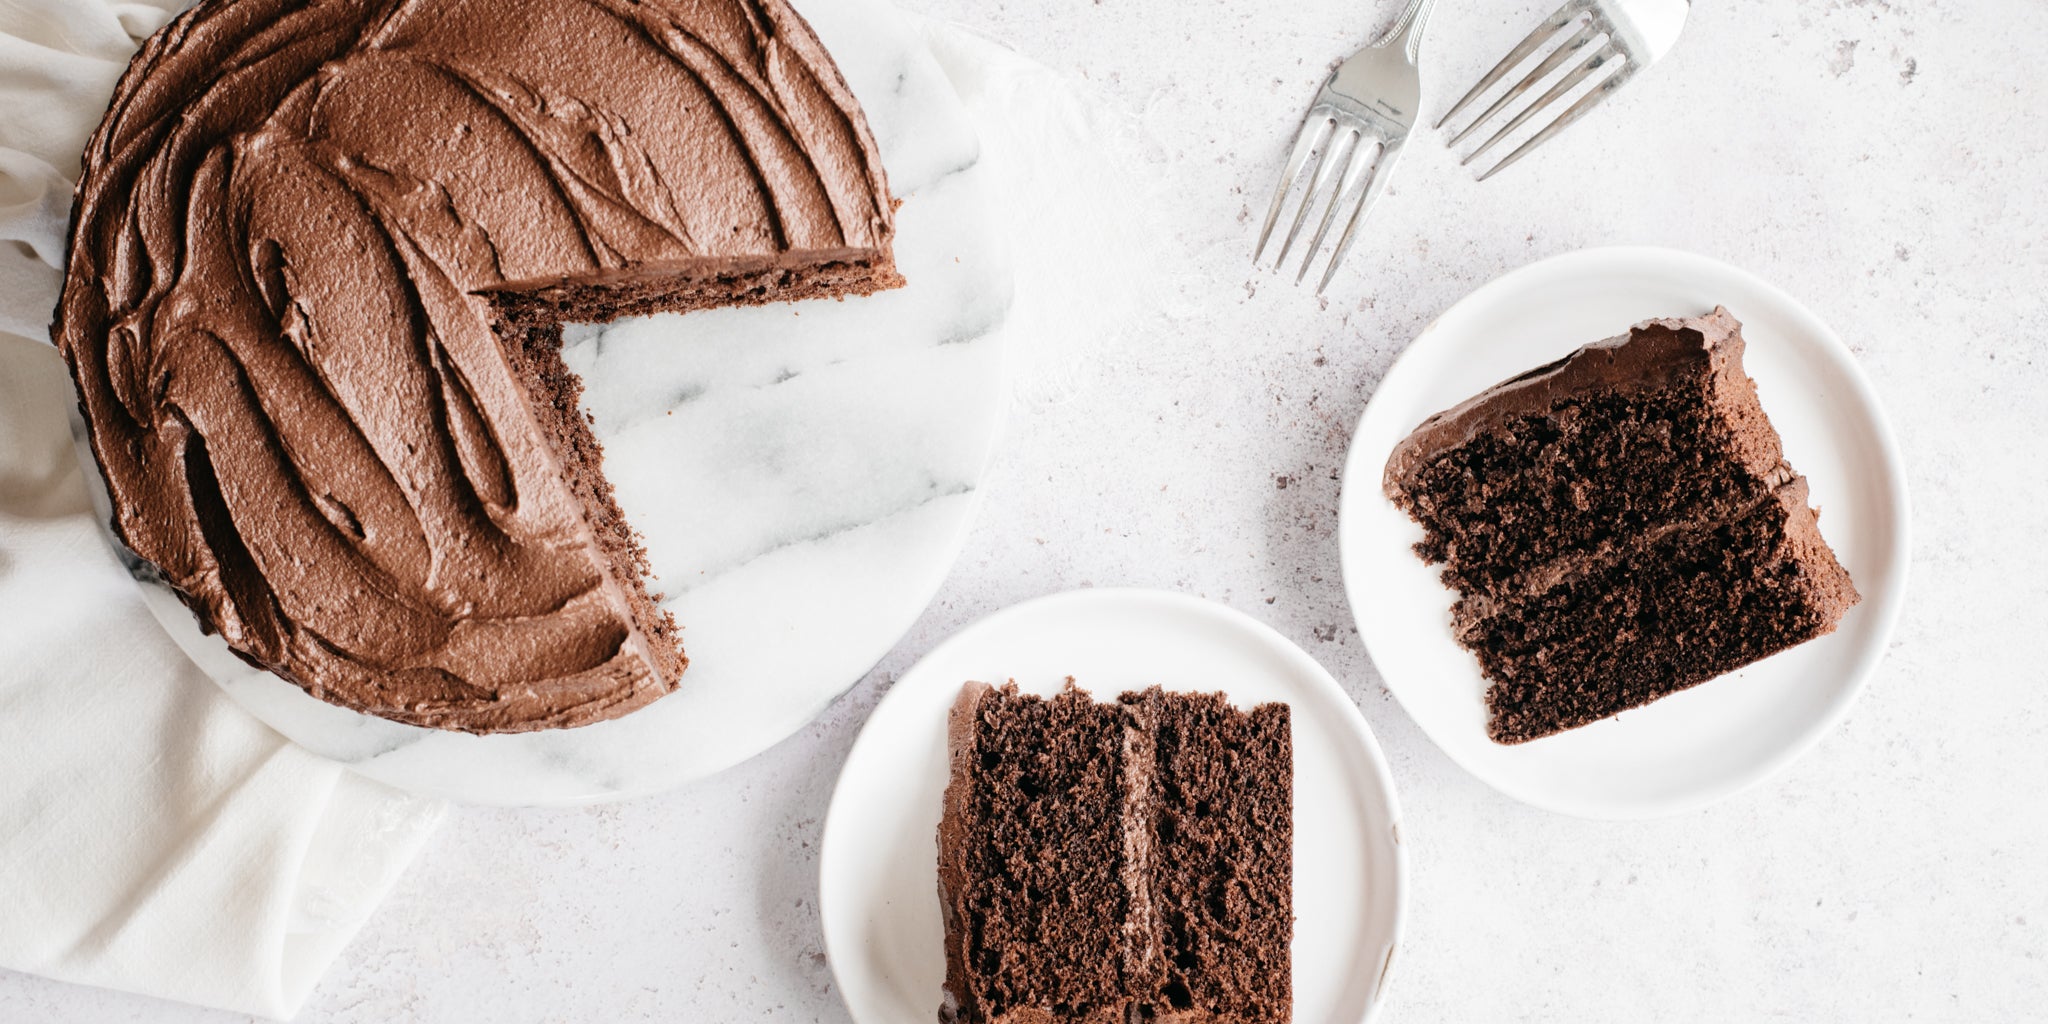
[1107, 863]
[1222, 821]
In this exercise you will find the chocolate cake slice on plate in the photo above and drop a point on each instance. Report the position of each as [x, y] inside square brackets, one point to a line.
[1104, 863]
[1620, 524]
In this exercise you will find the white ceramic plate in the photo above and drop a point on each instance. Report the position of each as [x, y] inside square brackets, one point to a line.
[878, 889]
[1705, 743]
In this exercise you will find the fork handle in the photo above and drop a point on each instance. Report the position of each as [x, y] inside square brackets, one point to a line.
[1408, 29]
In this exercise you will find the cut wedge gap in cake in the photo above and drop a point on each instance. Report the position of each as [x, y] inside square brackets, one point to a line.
[529, 323]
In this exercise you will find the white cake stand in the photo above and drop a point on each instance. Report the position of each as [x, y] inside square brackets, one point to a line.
[804, 476]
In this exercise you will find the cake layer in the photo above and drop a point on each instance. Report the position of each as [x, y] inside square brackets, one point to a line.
[1221, 813]
[1698, 601]
[295, 232]
[1031, 865]
[1179, 803]
[715, 284]
[1586, 453]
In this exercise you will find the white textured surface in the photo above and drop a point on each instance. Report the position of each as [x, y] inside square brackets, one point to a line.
[1881, 161]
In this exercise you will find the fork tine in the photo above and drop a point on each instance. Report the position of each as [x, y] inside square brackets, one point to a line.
[1564, 85]
[1382, 169]
[1314, 128]
[1317, 181]
[1355, 165]
[1549, 64]
[1564, 120]
[1521, 52]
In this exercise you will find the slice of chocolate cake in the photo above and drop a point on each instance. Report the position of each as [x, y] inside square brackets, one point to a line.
[1116, 862]
[1620, 524]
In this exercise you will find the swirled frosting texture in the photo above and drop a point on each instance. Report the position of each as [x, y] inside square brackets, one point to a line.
[292, 237]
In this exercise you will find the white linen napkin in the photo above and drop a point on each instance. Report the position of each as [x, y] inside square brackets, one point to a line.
[156, 838]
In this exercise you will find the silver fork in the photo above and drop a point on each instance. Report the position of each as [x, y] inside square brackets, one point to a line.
[1370, 98]
[1632, 34]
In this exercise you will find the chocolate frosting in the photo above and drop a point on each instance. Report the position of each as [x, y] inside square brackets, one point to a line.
[279, 313]
[962, 752]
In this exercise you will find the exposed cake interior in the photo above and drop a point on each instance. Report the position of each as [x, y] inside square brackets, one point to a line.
[1117, 862]
[1579, 460]
[1220, 806]
[1037, 840]
[1690, 605]
[1620, 525]
[710, 284]
[535, 354]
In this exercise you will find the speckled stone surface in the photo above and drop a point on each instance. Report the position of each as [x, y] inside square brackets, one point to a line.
[1880, 161]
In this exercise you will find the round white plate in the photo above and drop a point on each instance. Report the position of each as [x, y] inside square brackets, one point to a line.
[1705, 743]
[803, 475]
[878, 885]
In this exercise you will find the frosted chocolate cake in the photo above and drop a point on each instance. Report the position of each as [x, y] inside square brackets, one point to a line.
[1620, 524]
[321, 255]
[1107, 863]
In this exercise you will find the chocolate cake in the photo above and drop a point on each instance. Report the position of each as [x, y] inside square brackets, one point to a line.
[1105, 863]
[1620, 524]
[321, 255]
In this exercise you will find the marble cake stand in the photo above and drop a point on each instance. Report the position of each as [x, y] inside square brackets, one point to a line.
[804, 476]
